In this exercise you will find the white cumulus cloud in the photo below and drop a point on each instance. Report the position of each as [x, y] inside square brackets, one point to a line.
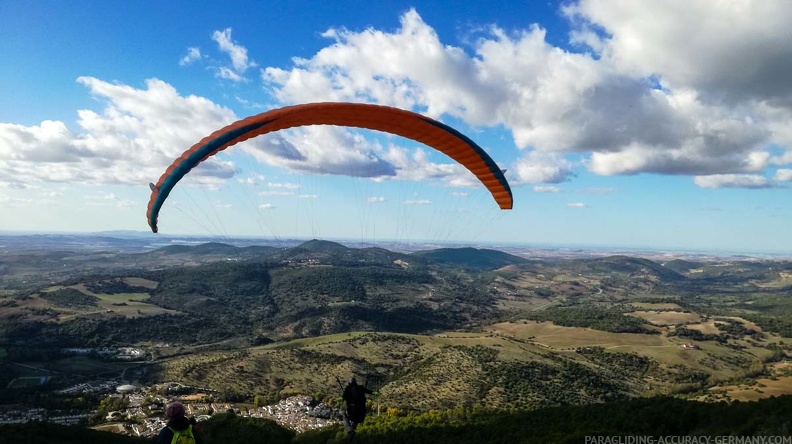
[193, 54]
[253, 181]
[538, 167]
[240, 62]
[784, 175]
[546, 189]
[674, 87]
[631, 106]
[131, 141]
[733, 181]
[728, 50]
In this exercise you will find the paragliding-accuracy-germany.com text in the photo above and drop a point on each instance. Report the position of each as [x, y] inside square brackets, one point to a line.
[688, 440]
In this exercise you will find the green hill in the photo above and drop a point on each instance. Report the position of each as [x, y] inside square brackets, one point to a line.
[321, 245]
[681, 266]
[624, 265]
[471, 257]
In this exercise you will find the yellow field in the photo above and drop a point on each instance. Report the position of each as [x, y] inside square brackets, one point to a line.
[764, 388]
[140, 282]
[748, 324]
[558, 337]
[133, 308]
[130, 305]
[784, 280]
[663, 349]
[707, 327]
[782, 368]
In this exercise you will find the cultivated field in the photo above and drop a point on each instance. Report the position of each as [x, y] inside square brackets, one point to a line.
[707, 327]
[667, 317]
[130, 305]
[140, 282]
[557, 337]
[719, 361]
[762, 388]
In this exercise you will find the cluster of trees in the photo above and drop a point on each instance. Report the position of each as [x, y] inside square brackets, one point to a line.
[772, 312]
[107, 405]
[696, 335]
[631, 364]
[333, 284]
[382, 337]
[230, 286]
[479, 353]
[114, 286]
[734, 328]
[535, 384]
[394, 276]
[610, 319]
[682, 374]
[70, 297]
[730, 329]
[117, 330]
[781, 324]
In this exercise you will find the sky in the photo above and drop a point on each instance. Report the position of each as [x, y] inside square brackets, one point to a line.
[624, 123]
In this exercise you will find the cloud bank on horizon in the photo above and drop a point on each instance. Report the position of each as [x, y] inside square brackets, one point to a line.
[674, 88]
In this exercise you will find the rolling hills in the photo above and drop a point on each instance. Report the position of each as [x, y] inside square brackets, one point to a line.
[481, 327]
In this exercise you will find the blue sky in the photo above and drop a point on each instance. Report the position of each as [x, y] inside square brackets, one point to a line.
[620, 123]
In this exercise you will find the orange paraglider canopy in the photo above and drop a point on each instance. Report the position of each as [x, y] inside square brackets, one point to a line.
[396, 121]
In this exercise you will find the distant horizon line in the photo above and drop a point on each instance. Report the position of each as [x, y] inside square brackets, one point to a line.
[591, 248]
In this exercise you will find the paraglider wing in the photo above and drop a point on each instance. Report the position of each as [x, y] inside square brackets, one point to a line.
[396, 121]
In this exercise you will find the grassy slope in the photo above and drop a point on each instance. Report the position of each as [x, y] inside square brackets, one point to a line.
[408, 364]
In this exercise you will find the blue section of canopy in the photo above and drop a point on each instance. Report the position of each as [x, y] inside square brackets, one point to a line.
[194, 159]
